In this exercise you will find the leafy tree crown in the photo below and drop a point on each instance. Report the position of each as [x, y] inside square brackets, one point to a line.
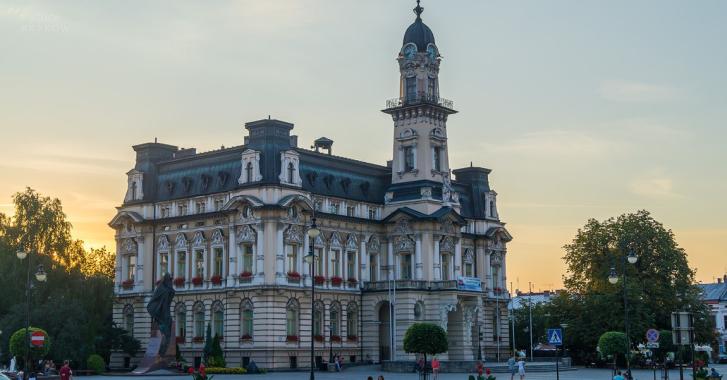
[425, 338]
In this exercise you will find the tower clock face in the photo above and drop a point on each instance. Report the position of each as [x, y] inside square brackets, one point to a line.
[409, 51]
[432, 52]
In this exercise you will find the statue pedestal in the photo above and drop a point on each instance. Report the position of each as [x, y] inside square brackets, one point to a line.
[153, 359]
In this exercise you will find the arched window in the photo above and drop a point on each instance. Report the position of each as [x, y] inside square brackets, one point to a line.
[180, 312]
[492, 208]
[291, 319]
[409, 164]
[335, 320]
[418, 311]
[199, 321]
[129, 319]
[248, 172]
[373, 267]
[446, 266]
[246, 315]
[133, 190]
[218, 319]
[291, 171]
[352, 321]
[318, 320]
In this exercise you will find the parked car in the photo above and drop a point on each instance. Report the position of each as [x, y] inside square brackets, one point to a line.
[722, 358]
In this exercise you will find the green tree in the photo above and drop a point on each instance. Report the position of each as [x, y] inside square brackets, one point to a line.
[96, 363]
[19, 344]
[217, 356]
[611, 344]
[207, 350]
[659, 283]
[425, 338]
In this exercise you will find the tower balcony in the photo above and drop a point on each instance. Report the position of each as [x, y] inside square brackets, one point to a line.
[419, 99]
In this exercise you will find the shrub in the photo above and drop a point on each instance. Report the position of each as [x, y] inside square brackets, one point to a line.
[96, 363]
[226, 371]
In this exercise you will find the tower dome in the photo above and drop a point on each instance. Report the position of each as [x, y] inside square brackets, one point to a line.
[419, 33]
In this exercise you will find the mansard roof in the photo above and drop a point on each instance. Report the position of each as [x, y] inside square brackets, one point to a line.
[441, 214]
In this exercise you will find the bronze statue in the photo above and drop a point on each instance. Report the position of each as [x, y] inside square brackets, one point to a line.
[159, 309]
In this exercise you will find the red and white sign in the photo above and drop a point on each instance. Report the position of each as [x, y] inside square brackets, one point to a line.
[37, 339]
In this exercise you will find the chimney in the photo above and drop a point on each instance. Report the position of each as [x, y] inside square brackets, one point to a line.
[323, 143]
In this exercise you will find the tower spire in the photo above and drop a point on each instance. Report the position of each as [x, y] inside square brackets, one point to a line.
[418, 10]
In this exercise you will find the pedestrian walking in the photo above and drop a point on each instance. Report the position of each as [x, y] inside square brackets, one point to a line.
[521, 368]
[511, 366]
[618, 376]
[435, 367]
[65, 372]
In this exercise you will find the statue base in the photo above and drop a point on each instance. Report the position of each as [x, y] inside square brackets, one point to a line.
[153, 359]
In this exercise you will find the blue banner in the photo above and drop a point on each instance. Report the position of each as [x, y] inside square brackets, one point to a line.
[469, 283]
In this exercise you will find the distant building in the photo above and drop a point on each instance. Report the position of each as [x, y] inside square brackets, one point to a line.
[715, 295]
[523, 299]
[409, 241]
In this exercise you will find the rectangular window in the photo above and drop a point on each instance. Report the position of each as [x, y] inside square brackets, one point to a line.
[247, 322]
[445, 267]
[291, 252]
[219, 203]
[199, 263]
[219, 259]
[163, 264]
[333, 208]
[181, 264]
[437, 158]
[291, 327]
[181, 324]
[372, 213]
[165, 212]
[351, 264]
[218, 322]
[408, 158]
[247, 258]
[411, 88]
[350, 211]
[373, 267]
[335, 259]
[131, 272]
[319, 262]
[431, 87]
[468, 269]
[199, 207]
[406, 267]
[182, 210]
[495, 277]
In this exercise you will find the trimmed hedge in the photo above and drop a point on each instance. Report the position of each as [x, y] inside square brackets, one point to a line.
[225, 371]
[96, 363]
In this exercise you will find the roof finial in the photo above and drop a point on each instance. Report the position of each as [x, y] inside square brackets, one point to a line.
[418, 10]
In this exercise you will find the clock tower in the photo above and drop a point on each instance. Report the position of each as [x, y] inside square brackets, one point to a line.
[420, 168]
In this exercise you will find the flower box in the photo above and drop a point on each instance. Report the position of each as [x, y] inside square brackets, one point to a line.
[181, 340]
[352, 338]
[128, 284]
[294, 276]
[352, 282]
[335, 338]
[216, 280]
[336, 281]
[198, 339]
[291, 338]
[245, 277]
[179, 282]
[319, 280]
[319, 338]
[246, 337]
[197, 281]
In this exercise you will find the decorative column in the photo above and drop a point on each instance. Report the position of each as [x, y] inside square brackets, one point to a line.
[305, 267]
[390, 260]
[344, 265]
[437, 259]
[364, 257]
[139, 279]
[418, 257]
[259, 268]
[458, 259]
[279, 251]
[488, 271]
[233, 256]
[118, 270]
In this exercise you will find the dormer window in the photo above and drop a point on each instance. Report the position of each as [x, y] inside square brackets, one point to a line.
[248, 172]
[290, 168]
[199, 207]
[291, 172]
[250, 167]
[135, 191]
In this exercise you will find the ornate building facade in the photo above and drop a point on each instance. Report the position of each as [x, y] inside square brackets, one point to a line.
[410, 241]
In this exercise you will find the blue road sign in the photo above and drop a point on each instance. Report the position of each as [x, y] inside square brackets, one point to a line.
[652, 335]
[555, 337]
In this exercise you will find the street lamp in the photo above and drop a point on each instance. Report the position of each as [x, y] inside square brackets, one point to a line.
[613, 279]
[40, 276]
[313, 233]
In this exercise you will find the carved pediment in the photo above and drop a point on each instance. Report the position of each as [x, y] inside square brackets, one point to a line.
[336, 240]
[374, 244]
[245, 234]
[446, 244]
[198, 240]
[319, 242]
[403, 243]
[181, 241]
[352, 242]
[294, 234]
[217, 237]
[163, 243]
[403, 227]
[128, 246]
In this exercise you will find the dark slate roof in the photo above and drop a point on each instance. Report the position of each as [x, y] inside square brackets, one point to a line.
[336, 176]
[437, 215]
[714, 292]
[419, 34]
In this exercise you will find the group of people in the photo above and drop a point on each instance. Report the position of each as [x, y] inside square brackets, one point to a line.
[49, 369]
[516, 365]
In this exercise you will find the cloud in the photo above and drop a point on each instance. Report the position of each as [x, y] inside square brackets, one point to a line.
[561, 143]
[654, 187]
[636, 92]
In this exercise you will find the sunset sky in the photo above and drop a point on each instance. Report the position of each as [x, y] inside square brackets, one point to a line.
[582, 109]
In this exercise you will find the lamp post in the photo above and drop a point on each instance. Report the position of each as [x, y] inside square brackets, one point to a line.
[613, 279]
[313, 233]
[40, 276]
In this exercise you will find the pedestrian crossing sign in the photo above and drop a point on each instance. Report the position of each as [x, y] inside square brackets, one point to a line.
[555, 337]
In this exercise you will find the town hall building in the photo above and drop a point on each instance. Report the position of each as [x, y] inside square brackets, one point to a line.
[413, 240]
